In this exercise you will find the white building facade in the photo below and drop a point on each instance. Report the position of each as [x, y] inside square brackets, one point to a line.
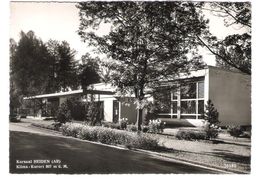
[229, 91]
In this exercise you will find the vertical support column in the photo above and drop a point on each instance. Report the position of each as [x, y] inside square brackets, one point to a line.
[119, 110]
[197, 101]
[178, 101]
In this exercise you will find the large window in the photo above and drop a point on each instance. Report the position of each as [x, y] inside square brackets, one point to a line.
[186, 102]
[192, 100]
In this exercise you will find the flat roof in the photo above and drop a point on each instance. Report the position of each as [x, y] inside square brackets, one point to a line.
[73, 92]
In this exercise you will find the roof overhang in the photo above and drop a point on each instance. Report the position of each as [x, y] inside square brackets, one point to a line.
[99, 92]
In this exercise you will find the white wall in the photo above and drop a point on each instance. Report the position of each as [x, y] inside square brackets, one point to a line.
[230, 92]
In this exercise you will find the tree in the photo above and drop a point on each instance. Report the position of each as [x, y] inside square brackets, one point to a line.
[63, 75]
[234, 51]
[211, 114]
[89, 71]
[148, 42]
[29, 65]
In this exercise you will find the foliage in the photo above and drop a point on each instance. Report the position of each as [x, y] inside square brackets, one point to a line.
[123, 123]
[38, 68]
[145, 128]
[93, 115]
[53, 126]
[89, 71]
[234, 51]
[111, 125]
[63, 114]
[71, 129]
[131, 127]
[190, 134]
[211, 114]
[147, 42]
[237, 50]
[235, 131]
[110, 136]
[156, 126]
[76, 108]
[212, 132]
[63, 75]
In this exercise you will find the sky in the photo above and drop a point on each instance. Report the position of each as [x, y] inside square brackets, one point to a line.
[60, 21]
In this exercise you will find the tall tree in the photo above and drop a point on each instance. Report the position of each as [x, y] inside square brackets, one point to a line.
[234, 51]
[30, 65]
[63, 66]
[148, 42]
[89, 71]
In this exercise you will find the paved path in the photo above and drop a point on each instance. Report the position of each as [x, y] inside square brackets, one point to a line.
[71, 156]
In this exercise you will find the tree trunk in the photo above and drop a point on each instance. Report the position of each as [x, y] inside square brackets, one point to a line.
[139, 119]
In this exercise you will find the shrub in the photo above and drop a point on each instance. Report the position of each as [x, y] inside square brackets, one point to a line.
[63, 114]
[131, 127]
[211, 114]
[235, 131]
[212, 133]
[71, 129]
[110, 136]
[143, 141]
[191, 134]
[88, 133]
[123, 123]
[111, 125]
[145, 129]
[156, 126]
[77, 108]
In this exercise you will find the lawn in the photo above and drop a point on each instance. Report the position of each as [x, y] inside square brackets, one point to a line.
[229, 153]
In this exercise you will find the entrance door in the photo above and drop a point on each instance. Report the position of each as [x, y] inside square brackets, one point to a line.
[115, 111]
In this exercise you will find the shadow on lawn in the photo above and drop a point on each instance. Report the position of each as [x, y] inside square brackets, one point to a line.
[228, 156]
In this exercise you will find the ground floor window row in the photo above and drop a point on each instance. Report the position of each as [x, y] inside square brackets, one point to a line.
[186, 102]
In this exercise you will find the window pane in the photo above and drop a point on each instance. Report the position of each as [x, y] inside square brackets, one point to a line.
[188, 107]
[201, 89]
[174, 94]
[174, 107]
[201, 107]
[164, 116]
[188, 117]
[188, 91]
[174, 116]
[163, 101]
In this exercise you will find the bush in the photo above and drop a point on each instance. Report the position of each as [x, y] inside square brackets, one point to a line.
[143, 141]
[88, 133]
[145, 129]
[191, 134]
[63, 114]
[235, 131]
[211, 114]
[123, 123]
[110, 136]
[212, 133]
[156, 126]
[71, 129]
[132, 128]
[111, 125]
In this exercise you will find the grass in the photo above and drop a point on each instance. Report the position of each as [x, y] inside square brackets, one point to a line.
[226, 155]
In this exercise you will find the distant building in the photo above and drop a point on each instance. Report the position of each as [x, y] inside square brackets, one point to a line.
[229, 91]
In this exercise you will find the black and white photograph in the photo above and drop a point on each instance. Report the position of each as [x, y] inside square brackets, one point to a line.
[130, 87]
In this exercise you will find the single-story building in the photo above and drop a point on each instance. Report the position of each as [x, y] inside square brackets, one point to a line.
[229, 91]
